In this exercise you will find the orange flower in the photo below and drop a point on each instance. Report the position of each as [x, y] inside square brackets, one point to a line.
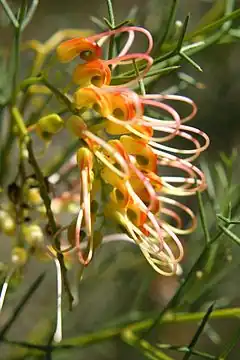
[82, 47]
[127, 149]
[94, 72]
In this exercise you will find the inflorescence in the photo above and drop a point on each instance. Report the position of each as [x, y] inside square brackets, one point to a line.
[131, 168]
[129, 152]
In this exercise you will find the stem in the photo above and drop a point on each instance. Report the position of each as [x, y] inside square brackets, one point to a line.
[106, 334]
[9, 13]
[51, 219]
[160, 41]
[203, 218]
[144, 346]
[113, 24]
[111, 13]
[46, 199]
[185, 349]
[17, 40]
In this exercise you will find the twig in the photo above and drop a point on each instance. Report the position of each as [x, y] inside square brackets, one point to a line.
[46, 199]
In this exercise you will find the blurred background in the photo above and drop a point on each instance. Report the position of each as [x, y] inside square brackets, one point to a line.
[119, 283]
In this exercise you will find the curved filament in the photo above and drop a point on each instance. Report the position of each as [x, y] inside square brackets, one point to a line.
[196, 151]
[128, 29]
[128, 59]
[195, 181]
[173, 214]
[177, 98]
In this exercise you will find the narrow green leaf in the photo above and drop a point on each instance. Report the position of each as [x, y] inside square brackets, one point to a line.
[17, 311]
[191, 61]
[216, 24]
[198, 332]
[111, 13]
[230, 234]
[9, 13]
[183, 33]
[227, 220]
[121, 79]
[30, 13]
[203, 218]
[159, 42]
[185, 349]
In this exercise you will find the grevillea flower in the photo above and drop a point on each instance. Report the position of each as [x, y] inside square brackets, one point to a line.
[129, 169]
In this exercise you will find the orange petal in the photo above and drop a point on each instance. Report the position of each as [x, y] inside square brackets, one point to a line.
[92, 98]
[86, 49]
[135, 215]
[145, 157]
[85, 158]
[92, 73]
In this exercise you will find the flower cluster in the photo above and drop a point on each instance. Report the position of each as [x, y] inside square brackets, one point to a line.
[130, 170]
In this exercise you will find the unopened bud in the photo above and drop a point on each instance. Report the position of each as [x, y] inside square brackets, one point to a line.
[19, 256]
[49, 125]
[34, 197]
[76, 125]
[7, 223]
[85, 158]
[33, 234]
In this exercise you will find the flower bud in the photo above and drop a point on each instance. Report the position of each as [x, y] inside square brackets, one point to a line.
[7, 223]
[19, 256]
[85, 158]
[49, 125]
[33, 234]
[33, 197]
[76, 125]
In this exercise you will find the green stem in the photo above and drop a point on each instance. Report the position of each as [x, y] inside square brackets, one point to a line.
[52, 222]
[160, 41]
[113, 24]
[144, 346]
[44, 194]
[185, 349]
[107, 334]
[111, 13]
[17, 40]
[203, 218]
[9, 13]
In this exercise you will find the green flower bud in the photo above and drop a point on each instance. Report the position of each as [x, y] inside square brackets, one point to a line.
[49, 125]
[33, 234]
[7, 223]
[33, 197]
[19, 256]
[76, 125]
